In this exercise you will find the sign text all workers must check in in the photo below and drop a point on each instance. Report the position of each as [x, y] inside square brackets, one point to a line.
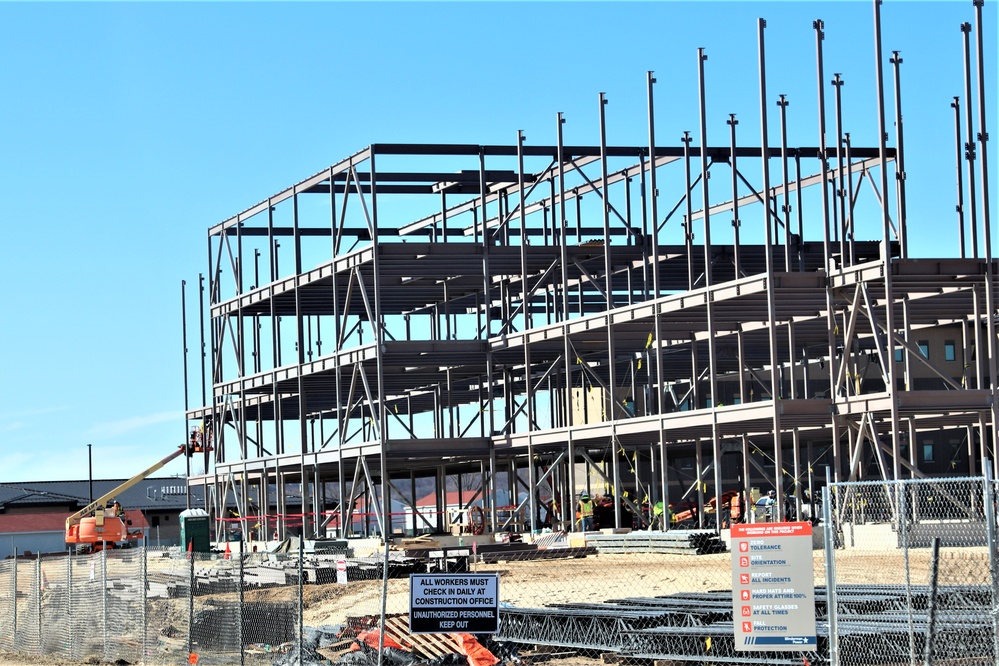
[445, 603]
[773, 587]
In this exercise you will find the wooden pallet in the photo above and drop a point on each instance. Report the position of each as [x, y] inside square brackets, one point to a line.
[427, 646]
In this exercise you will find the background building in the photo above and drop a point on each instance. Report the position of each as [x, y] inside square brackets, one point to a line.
[33, 514]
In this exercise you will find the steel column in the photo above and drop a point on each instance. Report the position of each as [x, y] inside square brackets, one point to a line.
[990, 299]
[775, 384]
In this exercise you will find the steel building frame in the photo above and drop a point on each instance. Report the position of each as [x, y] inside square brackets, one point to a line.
[453, 309]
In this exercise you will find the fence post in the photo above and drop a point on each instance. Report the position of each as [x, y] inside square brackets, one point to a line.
[829, 536]
[301, 590]
[190, 605]
[931, 604]
[38, 591]
[990, 535]
[104, 600]
[69, 602]
[14, 602]
[144, 567]
[901, 501]
[242, 651]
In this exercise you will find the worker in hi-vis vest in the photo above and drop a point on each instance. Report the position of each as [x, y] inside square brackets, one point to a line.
[585, 512]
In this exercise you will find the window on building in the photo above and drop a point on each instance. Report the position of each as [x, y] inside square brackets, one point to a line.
[950, 350]
[927, 451]
[924, 348]
[898, 354]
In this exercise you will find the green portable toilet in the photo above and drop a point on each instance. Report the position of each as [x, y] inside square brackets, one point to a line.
[194, 532]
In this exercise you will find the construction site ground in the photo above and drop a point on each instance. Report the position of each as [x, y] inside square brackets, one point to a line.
[595, 578]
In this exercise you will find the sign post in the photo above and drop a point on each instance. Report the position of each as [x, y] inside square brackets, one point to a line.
[449, 603]
[773, 587]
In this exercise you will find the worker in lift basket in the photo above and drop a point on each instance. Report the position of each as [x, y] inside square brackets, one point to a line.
[585, 512]
[766, 506]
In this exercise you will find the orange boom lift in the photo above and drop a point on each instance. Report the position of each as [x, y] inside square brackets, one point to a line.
[93, 527]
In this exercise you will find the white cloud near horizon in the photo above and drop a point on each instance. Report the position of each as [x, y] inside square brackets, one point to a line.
[18, 420]
[12, 426]
[123, 426]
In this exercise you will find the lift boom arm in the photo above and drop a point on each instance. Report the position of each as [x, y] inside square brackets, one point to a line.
[99, 502]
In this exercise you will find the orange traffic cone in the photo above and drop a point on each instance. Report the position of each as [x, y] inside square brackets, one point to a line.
[228, 553]
[190, 549]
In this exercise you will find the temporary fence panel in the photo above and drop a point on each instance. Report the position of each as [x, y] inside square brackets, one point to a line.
[8, 605]
[168, 606]
[26, 607]
[887, 600]
[567, 599]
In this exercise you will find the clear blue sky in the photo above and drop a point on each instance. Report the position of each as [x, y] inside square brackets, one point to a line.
[128, 129]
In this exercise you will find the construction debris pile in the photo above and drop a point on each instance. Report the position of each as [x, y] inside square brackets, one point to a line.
[357, 643]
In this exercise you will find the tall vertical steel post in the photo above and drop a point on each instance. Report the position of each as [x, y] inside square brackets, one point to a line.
[736, 223]
[201, 329]
[275, 338]
[653, 196]
[903, 233]
[819, 26]
[969, 142]
[841, 230]
[486, 330]
[709, 307]
[379, 323]
[956, 105]
[775, 382]
[990, 299]
[528, 324]
[567, 356]
[215, 358]
[688, 220]
[801, 212]
[183, 333]
[849, 198]
[611, 400]
[303, 432]
[896, 439]
[339, 412]
[785, 185]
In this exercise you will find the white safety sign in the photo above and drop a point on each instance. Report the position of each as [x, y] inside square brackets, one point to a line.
[341, 572]
[449, 603]
[773, 587]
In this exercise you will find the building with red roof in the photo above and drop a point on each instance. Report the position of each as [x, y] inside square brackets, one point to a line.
[35, 532]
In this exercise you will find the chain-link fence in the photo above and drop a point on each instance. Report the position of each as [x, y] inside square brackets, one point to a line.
[910, 572]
